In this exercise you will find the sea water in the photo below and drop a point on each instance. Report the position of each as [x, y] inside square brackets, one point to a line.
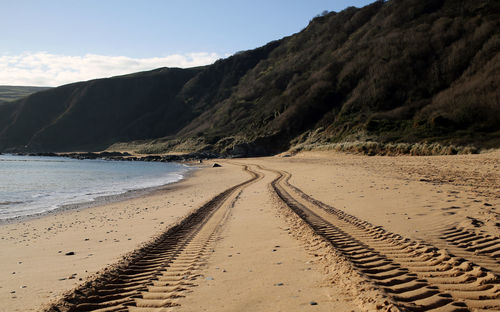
[31, 185]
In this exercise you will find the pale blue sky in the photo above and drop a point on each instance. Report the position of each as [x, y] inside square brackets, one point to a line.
[144, 30]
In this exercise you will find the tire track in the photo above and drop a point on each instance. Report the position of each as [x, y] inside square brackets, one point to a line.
[418, 276]
[480, 248]
[155, 276]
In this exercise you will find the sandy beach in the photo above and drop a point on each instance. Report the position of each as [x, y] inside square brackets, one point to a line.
[98, 236]
[317, 231]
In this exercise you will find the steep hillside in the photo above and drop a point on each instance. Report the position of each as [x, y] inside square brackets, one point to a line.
[401, 71]
[12, 93]
[397, 71]
[94, 114]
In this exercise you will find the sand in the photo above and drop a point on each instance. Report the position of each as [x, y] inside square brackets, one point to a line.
[256, 253]
[258, 266]
[33, 260]
[412, 196]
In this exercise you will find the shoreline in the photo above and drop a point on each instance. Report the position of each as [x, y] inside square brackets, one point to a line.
[100, 200]
[126, 156]
[95, 238]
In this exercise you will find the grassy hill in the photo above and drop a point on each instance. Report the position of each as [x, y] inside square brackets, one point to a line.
[11, 93]
[394, 72]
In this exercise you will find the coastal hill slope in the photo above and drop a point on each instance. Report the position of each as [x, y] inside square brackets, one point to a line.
[12, 93]
[396, 71]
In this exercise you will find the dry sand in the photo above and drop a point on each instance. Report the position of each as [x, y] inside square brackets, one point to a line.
[241, 266]
[258, 266]
[413, 196]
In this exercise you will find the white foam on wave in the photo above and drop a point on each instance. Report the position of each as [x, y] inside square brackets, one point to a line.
[65, 193]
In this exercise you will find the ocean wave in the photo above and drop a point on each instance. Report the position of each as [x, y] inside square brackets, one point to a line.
[44, 186]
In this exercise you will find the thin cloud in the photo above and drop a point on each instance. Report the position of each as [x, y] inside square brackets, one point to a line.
[45, 69]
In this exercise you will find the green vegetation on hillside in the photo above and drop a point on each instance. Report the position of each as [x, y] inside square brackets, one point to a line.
[394, 72]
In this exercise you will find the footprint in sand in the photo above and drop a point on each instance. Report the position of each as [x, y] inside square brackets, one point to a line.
[451, 208]
[475, 222]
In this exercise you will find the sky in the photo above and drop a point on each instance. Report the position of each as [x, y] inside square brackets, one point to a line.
[55, 42]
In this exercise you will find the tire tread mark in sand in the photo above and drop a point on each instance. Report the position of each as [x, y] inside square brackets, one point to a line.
[153, 277]
[171, 284]
[418, 276]
[482, 248]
